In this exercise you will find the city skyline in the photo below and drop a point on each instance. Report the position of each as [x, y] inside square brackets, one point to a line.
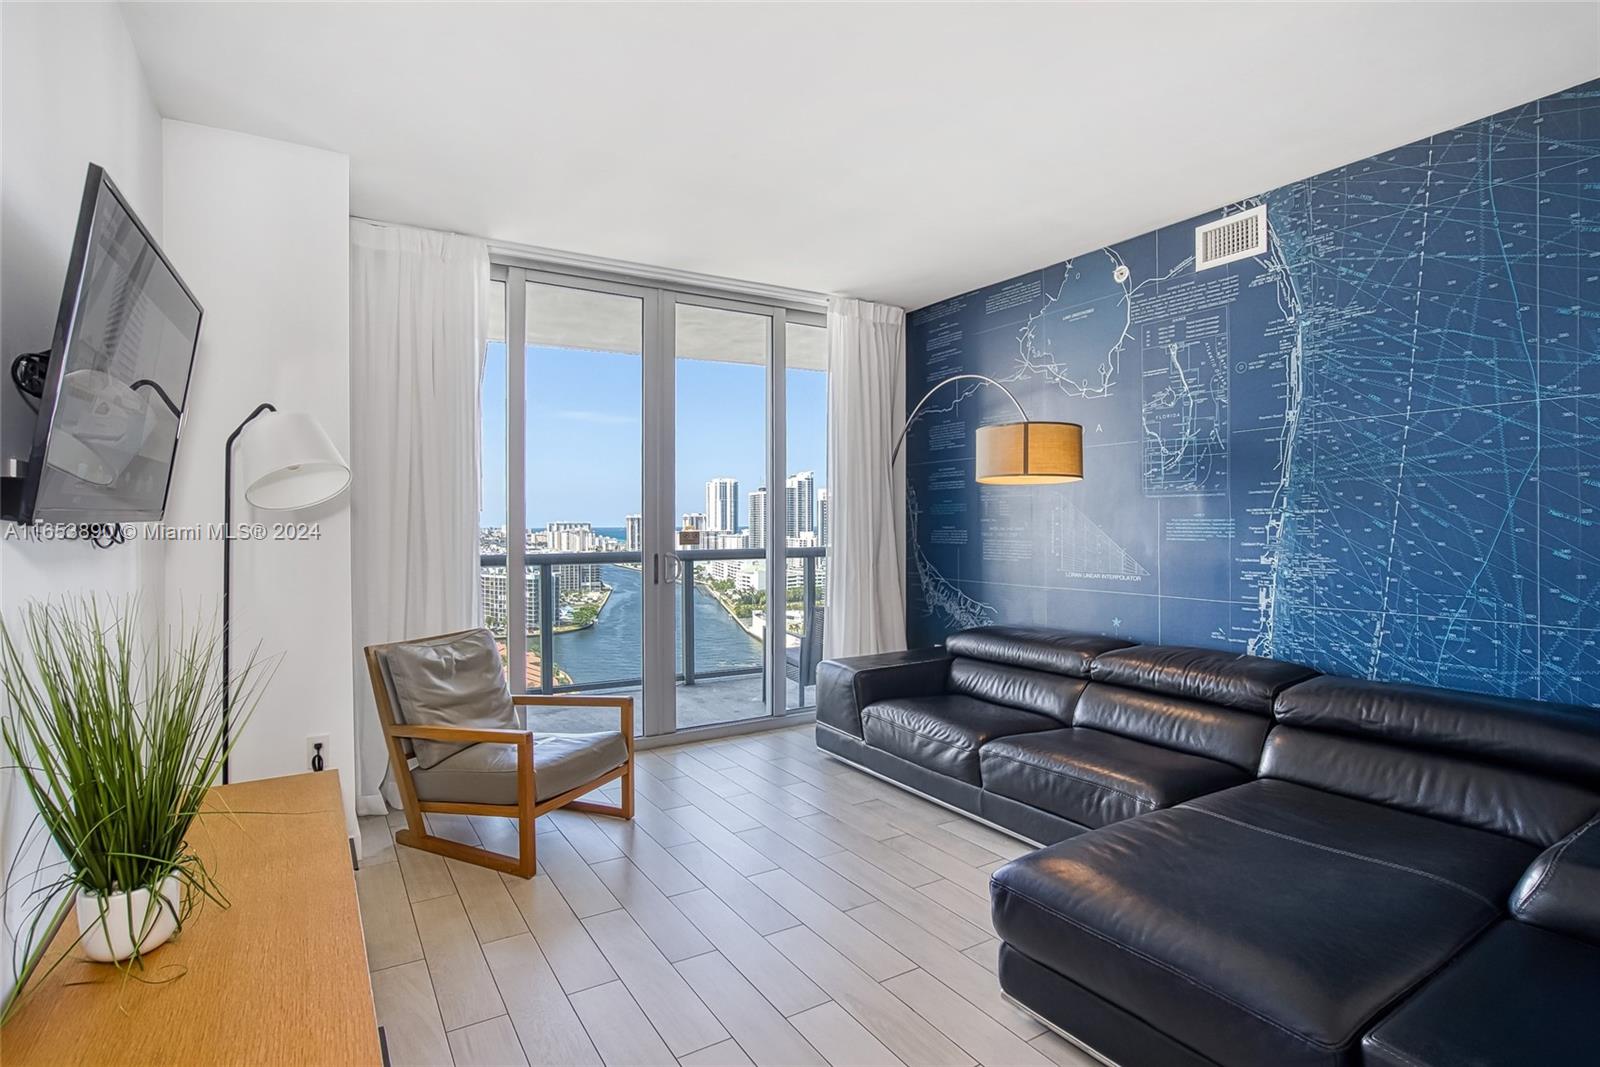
[584, 436]
[805, 513]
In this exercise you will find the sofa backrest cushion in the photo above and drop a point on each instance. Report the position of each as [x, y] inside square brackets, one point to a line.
[1523, 768]
[1017, 687]
[1513, 802]
[1192, 726]
[1248, 683]
[1032, 647]
[1555, 739]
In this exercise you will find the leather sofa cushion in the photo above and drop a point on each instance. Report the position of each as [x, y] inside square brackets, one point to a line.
[1561, 890]
[1539, 810]
[1191, 726]
[1562, 740]
[848, 684]
[1016, 687]
[1038, 648]
[1267, 924]
[945, 733]
[1248, 683]
[1094, 778]
[487, 773]
[1518, 996]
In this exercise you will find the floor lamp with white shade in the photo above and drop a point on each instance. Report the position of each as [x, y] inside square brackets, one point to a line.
[287, 463]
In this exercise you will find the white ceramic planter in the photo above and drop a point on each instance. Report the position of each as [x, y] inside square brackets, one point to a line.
[108, 923]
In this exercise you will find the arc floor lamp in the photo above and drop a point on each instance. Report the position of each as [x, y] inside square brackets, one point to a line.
[1024, 452]
[288, 463]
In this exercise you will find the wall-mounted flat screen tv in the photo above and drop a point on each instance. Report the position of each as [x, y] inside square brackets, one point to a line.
[118, 375]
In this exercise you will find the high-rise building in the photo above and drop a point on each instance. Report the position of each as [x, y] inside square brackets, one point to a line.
[494, 586]
[722, 505]
[693, 520]
[758, 518]
[822, 518]
[573, 537]
[800, 504]
[634, 527]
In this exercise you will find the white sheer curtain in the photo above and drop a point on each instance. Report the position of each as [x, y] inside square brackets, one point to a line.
[418, 318]
[866, 599]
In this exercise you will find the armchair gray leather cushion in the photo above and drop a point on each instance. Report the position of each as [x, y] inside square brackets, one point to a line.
[457, 680]
[487, 773]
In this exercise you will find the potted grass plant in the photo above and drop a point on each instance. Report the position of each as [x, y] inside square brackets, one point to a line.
[118, 738]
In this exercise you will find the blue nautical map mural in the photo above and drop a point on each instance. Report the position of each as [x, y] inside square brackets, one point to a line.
[1373, 448]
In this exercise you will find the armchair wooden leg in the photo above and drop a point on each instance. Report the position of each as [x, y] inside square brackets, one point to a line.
[527, 862]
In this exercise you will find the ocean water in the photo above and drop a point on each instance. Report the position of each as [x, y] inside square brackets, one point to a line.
[612, 648]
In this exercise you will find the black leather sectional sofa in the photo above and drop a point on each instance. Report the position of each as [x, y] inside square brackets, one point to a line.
[1248, 863]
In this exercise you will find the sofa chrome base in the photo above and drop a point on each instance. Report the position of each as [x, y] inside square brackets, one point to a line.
[980, 820]
[1054, 1029]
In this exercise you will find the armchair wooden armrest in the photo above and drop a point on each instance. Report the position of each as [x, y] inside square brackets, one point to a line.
[465, 735]
[623, 704]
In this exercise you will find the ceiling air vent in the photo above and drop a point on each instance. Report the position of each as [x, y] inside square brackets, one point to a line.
[1237, 236]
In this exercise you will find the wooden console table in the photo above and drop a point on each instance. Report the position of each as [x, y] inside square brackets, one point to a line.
[278, 978]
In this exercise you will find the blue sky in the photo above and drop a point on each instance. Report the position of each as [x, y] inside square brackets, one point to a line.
[583, 431]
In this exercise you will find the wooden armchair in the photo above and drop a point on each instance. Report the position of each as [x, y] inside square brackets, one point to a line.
[499, 771]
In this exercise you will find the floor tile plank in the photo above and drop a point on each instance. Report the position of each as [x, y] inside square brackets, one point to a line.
[674, 935]
[620, 1031]
[838, 890]
[492, 1043]
[409, 1014]
[489, 906]
[424, 873]
[678, 1015]
[571, 952]
[842, 1040]
[724, 842]
[907, 1034]
[585, 893]
[764, 966]
[548, 1028]
[852, 940]
[377, 841]
[1003, 845]
[461, 980]
[957, 970]
[762, 1032]
[584, 836]
[649, 855]
[764, 914]
[722, 1054]
[984, 1039]
[938, 920]
[386, 919]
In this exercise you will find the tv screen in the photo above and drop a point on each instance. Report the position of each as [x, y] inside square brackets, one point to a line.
[118, 376]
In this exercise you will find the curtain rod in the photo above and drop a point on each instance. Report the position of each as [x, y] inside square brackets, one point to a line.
[554, 257]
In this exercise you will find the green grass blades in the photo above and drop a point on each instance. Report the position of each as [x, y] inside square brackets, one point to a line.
[118, 737]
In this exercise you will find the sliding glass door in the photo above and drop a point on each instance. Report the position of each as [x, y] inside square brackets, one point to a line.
[641, 531]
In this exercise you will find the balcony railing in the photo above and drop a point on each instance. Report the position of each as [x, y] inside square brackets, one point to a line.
[549, 607]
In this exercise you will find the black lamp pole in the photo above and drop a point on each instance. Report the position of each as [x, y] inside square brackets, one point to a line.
[227, 575]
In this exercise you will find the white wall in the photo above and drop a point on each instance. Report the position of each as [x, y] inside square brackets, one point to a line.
[260, 229]
[71, 93]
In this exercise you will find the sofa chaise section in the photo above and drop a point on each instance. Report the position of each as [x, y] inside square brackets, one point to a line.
[1278, 921]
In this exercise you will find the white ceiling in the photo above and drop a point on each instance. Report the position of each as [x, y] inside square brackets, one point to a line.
[898, 152]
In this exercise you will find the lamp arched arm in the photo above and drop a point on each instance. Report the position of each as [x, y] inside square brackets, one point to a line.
[901, 440]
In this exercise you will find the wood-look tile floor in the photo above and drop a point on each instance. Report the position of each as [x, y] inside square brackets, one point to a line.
[767, 905]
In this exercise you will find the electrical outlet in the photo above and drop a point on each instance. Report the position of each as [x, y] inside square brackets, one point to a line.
[312, 742]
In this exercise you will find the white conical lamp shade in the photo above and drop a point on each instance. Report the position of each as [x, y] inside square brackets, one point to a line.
[287, 462]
